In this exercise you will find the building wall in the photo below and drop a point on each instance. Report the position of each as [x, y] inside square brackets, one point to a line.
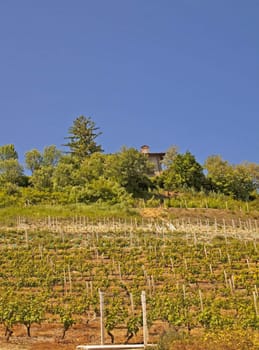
[155, 158]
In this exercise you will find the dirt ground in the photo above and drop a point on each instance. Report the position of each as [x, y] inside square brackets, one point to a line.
[194, 213]
[48, 337]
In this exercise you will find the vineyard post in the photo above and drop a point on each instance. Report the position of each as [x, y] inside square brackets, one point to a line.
[205, 251]
[216, 225]
[201, 302]
[172, 266]
[194, 239]
[184, 292]
[224, 226]
[152, 283]
[255, 304]
[91, 288]
[248, 263]
[233, 281]
[101, 316]
[229, 259]
[230, 285]
[26, 238]
[119, 269]
[65, 281]
[226, 278]
[70, 279]
[132, 303]
[144, 313]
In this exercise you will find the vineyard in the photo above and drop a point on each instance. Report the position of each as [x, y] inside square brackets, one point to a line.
[198, 274]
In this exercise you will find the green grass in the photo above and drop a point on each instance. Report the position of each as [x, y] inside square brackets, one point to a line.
[93, 211]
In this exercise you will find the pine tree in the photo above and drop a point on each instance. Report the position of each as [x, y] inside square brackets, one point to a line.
[82, 137]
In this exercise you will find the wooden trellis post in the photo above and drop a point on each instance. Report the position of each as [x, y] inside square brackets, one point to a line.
[144, 313]
[101, 316]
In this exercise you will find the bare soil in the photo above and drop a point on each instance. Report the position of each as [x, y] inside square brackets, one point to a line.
[48, 336]
[194, 213]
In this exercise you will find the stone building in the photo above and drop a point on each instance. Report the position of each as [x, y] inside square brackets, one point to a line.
[154, 158]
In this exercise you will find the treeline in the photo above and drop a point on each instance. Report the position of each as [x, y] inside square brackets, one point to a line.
[85, 174]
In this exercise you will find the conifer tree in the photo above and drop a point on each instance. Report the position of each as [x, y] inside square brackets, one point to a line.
[82, 139]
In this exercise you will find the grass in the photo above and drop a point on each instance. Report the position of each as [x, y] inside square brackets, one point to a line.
[234, 339]
[93, 211]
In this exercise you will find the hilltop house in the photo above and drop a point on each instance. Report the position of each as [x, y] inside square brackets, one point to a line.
[154, 158]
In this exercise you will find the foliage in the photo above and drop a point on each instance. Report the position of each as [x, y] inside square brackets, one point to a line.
[253, 170]
[228, 179]
[169, 157]
[8, 312]
[51, 156]
[64, 173]
[8, 152]
[168, 338]
[30, 310]
[130, 169]
[103, 190]
[33, 160]
[82, 137]
[41, 178]
[86, 175]
[124, 257]
[227, 339]
[66, 319]
[184, 172]
[11, 172]
[133, 325]
[92, 168]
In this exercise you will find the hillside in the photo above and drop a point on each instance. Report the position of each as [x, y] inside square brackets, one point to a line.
[198, 267]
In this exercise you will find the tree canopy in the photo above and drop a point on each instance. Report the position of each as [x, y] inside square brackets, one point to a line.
[184, 172]
[82, 139]
[8, 152]
[86, 174]
[234, 180]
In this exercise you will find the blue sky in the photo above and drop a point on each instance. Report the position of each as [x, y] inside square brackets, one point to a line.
[156, 72]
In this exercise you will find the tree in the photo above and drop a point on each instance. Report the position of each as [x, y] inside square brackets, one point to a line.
[242, 183]
[106, 190]
[8, 152]
[131, 170]
[82, 137]
[33, 160]
[234, 180]
[41, 179]
[219, 173]
[253, 170]
[11, 171]
[169, 157]
[51, 156]
[63, 175]
[184, 172]
[92, 168]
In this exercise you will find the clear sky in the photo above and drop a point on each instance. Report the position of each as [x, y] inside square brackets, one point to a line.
[156, 72]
